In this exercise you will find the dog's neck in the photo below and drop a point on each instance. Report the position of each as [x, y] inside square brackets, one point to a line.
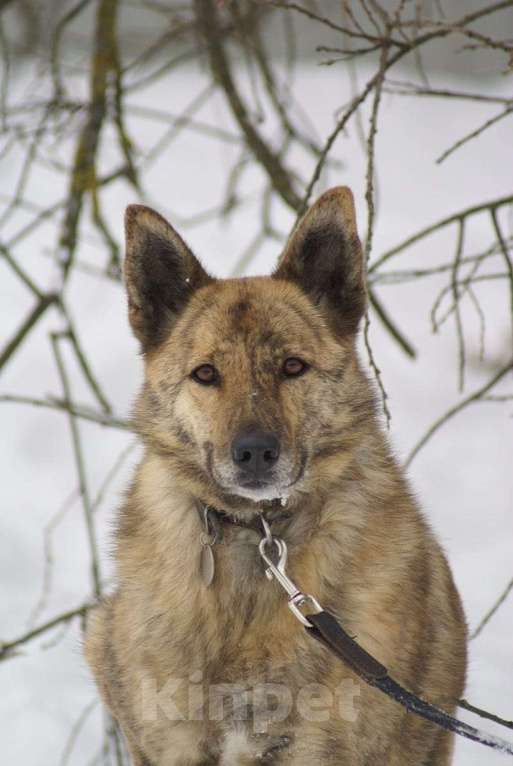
[176, 501]
[216, 520]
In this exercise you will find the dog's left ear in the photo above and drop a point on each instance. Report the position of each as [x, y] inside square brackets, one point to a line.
[324, 258]
[161, 274]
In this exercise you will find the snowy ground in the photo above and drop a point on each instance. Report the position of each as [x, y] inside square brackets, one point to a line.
[463, 477]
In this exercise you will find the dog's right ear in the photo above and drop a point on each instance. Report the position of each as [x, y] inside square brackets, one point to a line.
[161, 274]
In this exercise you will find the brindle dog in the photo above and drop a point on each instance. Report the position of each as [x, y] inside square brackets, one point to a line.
[254, 401]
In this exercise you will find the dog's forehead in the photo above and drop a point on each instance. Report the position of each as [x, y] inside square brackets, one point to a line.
[257, 309]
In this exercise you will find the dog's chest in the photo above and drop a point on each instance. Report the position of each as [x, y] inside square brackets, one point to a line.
[240, 561]
[240, 744]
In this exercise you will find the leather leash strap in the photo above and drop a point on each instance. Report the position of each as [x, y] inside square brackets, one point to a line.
[326, 629]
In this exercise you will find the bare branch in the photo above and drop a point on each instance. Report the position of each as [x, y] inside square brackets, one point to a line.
[493, 610]
[474, 133]
[485, 714]
[75, 731]
[456, 298]
[392, 328]
[9, 648]
[23, 331]
[441, 224]
[369, 197]
[278, 175]
[506, 256]
[84, 176]
[81, 411]
[79, 460]
[473, 397]
[85, 366]
[48, 530]
[402, 88]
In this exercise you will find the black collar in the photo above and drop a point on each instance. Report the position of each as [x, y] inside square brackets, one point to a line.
[215, 520]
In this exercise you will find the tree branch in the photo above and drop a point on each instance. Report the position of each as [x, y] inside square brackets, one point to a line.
[474, 397]
[208, 23]
[7, 648]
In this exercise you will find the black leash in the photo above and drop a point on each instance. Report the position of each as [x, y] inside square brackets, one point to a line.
[325, 628]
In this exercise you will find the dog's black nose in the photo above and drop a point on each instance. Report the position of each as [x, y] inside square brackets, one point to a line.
[255, 452]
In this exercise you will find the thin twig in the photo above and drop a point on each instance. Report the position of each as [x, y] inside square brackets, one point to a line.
[402, 88]
[474, 133]
[457, 311]
[81, 411]
[111, 475]
[25, 328]
[48, 530]
[72, 13]
[490, 613]
[369, 197]
[270, 162]
[485, 714]
[473, 397]
[392, 328]
[507, 259]
[75, 731]
[83, 177]
[79, 460]
[20, 273]
[442, 223]
[7, 648]
[85, 365]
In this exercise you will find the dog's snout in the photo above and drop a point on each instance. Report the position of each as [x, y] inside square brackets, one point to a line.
[256, 452]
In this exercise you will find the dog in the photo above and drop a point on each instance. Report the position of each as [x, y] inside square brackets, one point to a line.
[255, 410]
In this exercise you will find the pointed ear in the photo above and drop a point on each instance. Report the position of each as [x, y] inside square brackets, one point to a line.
[161, 274]
[324, 257]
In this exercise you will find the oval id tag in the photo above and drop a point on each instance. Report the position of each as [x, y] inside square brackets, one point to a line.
[207, 564]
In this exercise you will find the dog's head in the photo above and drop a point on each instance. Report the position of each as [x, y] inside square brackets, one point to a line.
[251, 384]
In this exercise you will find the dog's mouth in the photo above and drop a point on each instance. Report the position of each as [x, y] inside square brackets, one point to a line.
[276, 485]
[258, 490]
[255, 484]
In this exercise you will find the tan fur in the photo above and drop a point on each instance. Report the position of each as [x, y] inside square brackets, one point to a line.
[356, 538]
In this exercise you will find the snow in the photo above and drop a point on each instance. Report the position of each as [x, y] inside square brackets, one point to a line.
[463, 477]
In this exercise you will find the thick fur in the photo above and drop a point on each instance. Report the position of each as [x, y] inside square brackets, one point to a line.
[356, 538]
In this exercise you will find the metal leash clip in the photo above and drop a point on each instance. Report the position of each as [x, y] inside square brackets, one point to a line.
[277, 571]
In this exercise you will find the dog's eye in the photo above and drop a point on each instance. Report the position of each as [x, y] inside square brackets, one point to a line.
[205, 374]
[292, 367]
